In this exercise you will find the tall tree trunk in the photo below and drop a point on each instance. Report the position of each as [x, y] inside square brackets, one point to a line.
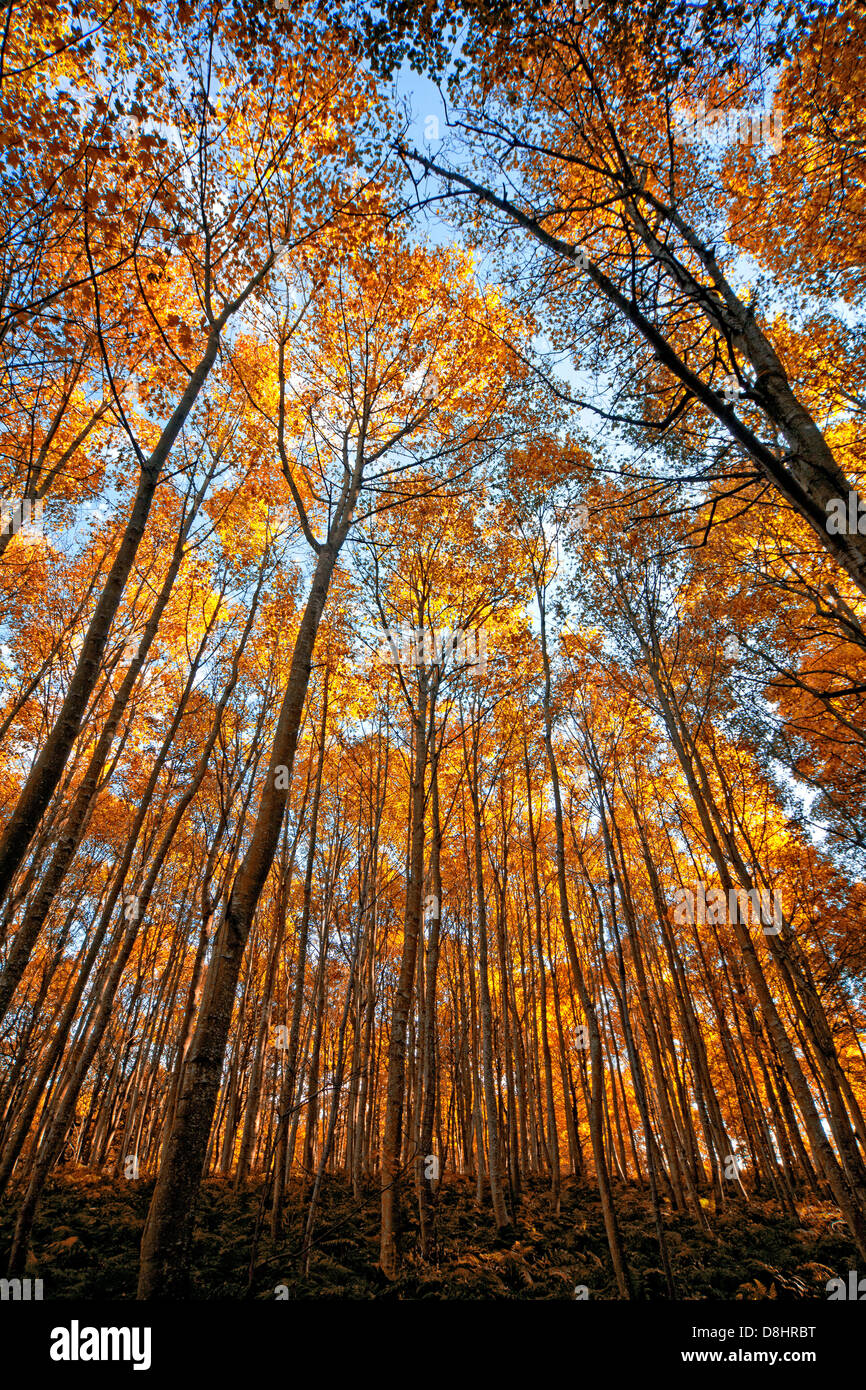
[167, 1238]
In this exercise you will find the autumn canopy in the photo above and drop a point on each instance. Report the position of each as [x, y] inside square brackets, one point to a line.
[433, 650]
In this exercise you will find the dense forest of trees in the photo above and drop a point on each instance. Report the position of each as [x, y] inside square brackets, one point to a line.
[433, 663]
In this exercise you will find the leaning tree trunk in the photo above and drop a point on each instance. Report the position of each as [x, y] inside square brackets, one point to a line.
[287, 1090]
[51, 761]
[76, 822]
[167, 1239]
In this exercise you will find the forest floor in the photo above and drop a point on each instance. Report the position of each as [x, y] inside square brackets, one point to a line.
[87, 1235]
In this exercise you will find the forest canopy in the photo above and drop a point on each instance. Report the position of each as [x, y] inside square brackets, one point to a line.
[433, 660]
